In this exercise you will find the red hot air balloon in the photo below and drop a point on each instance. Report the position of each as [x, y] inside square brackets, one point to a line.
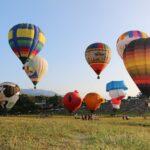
[72, 101]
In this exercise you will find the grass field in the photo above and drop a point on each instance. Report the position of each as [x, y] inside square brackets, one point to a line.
[58, 132]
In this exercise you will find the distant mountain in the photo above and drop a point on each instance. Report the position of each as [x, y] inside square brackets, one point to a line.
[38, 92]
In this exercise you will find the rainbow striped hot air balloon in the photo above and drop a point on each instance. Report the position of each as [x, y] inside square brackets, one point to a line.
[136, 58]
[126, 38]
[35, 69]
[26, 41]
[98, 56]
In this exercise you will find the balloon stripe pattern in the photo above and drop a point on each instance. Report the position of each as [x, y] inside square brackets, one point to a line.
[26, 40]
[137, 61]
[98, 56]
[36, 69]
[126, 38]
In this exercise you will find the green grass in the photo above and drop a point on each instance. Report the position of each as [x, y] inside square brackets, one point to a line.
[58, 132]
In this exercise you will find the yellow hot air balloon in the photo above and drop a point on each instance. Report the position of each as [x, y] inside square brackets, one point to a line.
[35, 69]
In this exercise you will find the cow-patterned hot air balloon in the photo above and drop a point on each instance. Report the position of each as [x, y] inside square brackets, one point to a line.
[35, 69]
[93, 101]
[136, 58]
[126, 38]
[98, 56]
[9, 94]
[72, 101]
[26, 41]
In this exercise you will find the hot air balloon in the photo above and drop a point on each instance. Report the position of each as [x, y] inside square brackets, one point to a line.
[98, 56]
[136, 58]
[93, 101]
[126, 38]
[35, 69]
[9, 94]
[72, 101]
[116, 91]
[26, 41]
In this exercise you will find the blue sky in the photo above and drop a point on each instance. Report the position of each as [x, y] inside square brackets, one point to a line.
[70, 26]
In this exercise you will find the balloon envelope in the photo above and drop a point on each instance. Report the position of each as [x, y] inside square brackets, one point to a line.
[9, 94]
[116, 91]
[98, 56]
[35, 69]
[72, 101]
[93, 101]
[128, 37]
[26, 41]
[136, 58]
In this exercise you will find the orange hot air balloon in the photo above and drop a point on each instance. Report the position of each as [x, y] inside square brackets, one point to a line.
[136, 58]
[98, 56]
[93, 101]
[72, 101]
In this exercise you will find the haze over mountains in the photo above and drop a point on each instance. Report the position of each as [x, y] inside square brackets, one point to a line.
[38, 92]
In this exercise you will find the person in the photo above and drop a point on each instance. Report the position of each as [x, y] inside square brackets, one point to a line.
[125, 117]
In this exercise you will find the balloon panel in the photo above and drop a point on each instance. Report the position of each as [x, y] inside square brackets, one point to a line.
[116, 93]
[116, 106]
[116, 85]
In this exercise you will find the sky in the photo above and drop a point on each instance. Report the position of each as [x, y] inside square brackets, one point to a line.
[70, 26]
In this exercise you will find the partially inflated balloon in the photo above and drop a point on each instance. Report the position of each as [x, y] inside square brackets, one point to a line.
[136, 58]
[116, 91]
[26, 41]
[98, 56]
[9, 94]
[72, 101]
[35, 69]
[93, 101]
[128, 37]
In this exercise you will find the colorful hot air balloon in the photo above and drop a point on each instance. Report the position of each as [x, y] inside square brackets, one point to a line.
[35, 69]
[93, 101]
[26, 41]
[9, 94]
[136, 58]
[116, 91]
[126, 38]
[98, 56]
[72, 101]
